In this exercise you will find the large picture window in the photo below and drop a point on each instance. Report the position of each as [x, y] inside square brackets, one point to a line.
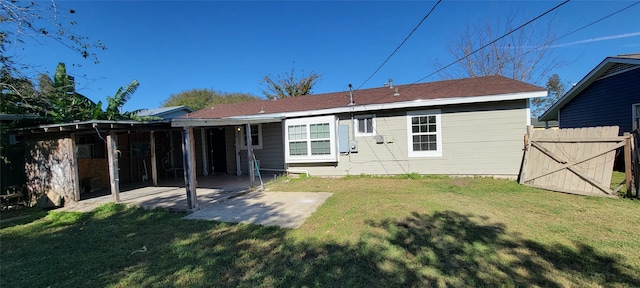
[424, 133]
[310, 140]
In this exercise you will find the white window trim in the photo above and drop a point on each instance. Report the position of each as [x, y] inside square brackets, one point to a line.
[331, 157]
[243, 138]
[356, 125]
[438, 152]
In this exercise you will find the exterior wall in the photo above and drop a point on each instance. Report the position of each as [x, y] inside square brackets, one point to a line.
[271, 156]
[606, 102]
[50, 171]
[230, 140]
[478, 139]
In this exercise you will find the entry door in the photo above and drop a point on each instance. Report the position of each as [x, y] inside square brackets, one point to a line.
[217, 150]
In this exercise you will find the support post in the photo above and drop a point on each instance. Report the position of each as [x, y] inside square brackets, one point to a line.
[627, 164]
[114, 180]
[251, 164]
[238, 166]
[154, 158]
[74, 166]
[205, 155]
[188, 159]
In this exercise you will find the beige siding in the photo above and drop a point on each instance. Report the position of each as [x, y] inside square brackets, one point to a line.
[478, 139]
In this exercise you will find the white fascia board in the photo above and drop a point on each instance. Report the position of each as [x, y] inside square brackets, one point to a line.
[232, 121]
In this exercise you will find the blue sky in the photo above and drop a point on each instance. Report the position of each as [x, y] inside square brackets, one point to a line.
[173, 46]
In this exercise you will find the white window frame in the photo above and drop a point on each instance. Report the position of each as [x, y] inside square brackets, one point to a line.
[356, 125]
[331, 157]
[243, 137]
[438, 133]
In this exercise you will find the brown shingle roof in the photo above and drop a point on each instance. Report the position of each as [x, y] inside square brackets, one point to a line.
[469, 87]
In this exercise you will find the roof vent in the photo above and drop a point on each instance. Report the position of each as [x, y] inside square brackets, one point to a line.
[261, 109]
[397, 93]
[390, 83]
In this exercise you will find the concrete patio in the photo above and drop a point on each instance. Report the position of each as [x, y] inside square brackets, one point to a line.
[169, 194]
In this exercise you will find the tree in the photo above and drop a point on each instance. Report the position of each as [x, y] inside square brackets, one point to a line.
[22, 21]
[115, 103]
[556, 89]
[524, 55]
[287, 85]
[203, 98]
[64, 103]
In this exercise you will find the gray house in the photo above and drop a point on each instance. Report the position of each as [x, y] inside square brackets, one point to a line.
[469, 126]
[609, 95]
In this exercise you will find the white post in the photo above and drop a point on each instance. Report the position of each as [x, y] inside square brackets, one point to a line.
[238, 143]
[189, 167]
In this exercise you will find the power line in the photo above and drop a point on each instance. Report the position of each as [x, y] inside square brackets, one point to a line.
[494, 41]
[402, 43]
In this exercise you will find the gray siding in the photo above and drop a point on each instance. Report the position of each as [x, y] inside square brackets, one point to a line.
[478, 139]
[606, 102]
[272, 153]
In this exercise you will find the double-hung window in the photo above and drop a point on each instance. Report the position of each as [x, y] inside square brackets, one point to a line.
[424, 133]
[256, 136]
[365, 125]
[310, 139]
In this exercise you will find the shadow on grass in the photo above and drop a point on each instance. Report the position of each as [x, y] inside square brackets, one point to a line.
[441, 249]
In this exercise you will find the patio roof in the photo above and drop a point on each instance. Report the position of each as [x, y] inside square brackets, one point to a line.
[92, 125]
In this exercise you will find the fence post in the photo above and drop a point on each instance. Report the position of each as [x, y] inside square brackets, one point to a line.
[628, 164]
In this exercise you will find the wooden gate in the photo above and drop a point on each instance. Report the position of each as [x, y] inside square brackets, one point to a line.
[578, 161]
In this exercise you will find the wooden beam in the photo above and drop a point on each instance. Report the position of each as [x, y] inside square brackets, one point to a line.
[527, 149]
[112, 154]
[188, 159]
[627, 165]
[154, 158]
[580, 140]
[205, 163]
[74, 167]
[250, 164]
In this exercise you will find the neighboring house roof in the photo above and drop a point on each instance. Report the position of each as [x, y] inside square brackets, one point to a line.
[541, 124]
[163, 112]
[470, 90]
[609, 66]
[13, 117]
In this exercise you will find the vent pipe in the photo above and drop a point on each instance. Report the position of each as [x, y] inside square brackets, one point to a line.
[390, 83]
[351, 103]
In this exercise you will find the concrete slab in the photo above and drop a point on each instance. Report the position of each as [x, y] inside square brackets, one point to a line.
[284, 209]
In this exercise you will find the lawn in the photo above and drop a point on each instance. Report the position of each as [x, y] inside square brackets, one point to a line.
[373, 232]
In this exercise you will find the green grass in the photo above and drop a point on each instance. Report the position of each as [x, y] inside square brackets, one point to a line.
[373, 232]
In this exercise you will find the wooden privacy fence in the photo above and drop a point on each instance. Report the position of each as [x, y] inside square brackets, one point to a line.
[578, 161]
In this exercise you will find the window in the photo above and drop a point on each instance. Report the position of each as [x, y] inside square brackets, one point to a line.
[424, 133]
[256, 136]
[365, 125]
[310, 140]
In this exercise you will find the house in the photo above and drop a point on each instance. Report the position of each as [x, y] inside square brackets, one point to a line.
[609, 95]
[469, 126]
[538, 125]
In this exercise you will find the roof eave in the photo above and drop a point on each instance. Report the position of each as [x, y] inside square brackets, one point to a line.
[552, 112]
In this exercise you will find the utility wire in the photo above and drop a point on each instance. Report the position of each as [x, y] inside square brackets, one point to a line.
[494, 41]
[402, 43]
